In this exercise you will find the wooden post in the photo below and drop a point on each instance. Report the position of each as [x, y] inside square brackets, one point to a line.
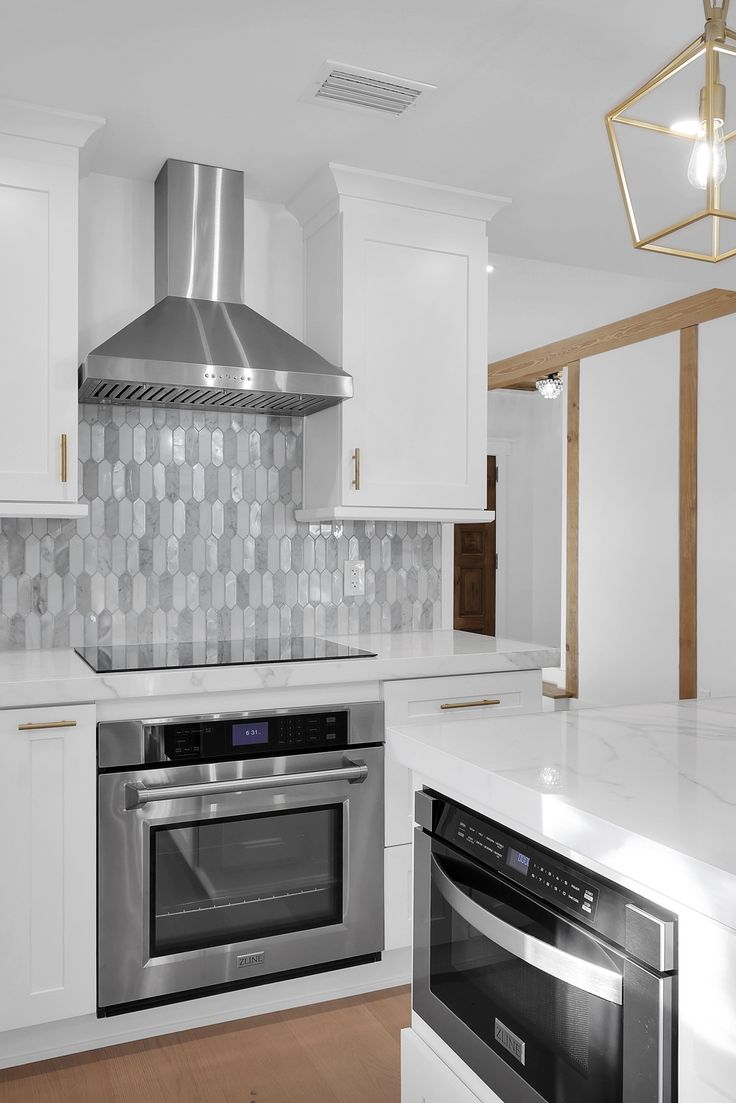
[689, 513]
[573, 525]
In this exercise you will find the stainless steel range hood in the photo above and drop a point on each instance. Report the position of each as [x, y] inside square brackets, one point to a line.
[200, 346]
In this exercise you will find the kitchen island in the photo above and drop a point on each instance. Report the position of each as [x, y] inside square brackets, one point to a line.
[642, 795]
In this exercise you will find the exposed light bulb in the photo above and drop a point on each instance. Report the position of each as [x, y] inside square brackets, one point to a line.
[551, 387]
[689, 127]
[490, 268]
[708, 162]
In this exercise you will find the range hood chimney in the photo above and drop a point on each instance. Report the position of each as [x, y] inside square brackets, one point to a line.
[200, 346]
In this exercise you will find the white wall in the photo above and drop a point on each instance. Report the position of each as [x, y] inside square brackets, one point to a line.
[115, 255]
[274, 283]
[529, 514]
[116, 258]
[629, 549]
[717, 508]
[531, 303]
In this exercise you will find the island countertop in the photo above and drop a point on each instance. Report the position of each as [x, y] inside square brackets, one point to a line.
[59, 676]
[647, 792]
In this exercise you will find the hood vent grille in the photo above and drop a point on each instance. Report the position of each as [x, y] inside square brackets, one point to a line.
[130, 394]
[348, 86]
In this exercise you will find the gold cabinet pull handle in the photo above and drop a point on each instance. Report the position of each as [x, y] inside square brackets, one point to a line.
[63, 458]
[470, 704]
[47, 724]
[356, 462]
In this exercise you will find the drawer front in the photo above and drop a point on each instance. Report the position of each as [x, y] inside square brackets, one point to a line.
[517, 692]
[471, 695]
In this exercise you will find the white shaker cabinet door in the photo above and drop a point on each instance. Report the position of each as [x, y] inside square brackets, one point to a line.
[47, 864]
[38, 334]
[414, 340]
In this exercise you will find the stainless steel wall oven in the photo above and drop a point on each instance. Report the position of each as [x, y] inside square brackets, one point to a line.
[552, 984]
[235, 849]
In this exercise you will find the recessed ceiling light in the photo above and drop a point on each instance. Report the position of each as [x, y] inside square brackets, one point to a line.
[490, 268]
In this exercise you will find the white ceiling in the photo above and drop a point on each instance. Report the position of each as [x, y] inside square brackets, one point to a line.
[522, 89]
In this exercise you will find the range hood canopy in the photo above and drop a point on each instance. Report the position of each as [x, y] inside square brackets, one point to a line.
[200, 346]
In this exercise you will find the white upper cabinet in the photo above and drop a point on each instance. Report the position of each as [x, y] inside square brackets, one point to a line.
[38, 291]
[396, 294]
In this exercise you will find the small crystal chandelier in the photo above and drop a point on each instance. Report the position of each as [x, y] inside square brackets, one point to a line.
[549, 387]
[669, 142]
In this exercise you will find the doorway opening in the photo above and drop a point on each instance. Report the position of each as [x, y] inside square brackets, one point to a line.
[475, 568]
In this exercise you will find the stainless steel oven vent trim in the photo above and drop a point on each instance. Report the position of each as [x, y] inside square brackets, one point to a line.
[593, 979]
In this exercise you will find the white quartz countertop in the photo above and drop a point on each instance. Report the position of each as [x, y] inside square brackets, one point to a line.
[647, 792]
[59, 676]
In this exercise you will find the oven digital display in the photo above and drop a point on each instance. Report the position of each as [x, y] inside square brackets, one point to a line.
[518, 861]
[250, 735]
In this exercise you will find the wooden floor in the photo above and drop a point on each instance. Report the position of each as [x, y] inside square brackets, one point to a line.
[346, 1051]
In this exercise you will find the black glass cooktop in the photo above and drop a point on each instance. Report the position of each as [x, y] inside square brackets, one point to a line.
[173, 656]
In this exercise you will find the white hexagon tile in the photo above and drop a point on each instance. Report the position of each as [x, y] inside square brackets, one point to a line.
[191, 535]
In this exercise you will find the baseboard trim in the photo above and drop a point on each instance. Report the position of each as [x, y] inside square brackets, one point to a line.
[68, 1036]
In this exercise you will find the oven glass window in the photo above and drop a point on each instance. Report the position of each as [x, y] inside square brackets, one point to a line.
[566, 1043]
[245, 877]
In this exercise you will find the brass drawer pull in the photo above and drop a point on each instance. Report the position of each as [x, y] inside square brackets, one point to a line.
[48, 724]
[63, 458]
[356, 462]
[470, 704]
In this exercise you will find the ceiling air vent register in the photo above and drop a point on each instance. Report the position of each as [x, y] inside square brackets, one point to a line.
[347, 86]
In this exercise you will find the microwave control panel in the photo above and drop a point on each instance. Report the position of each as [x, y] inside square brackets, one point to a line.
[539, 873]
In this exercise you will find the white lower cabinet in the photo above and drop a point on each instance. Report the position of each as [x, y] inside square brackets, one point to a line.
[47, 864]
[452, 698]
[397, 887]
[425, 1078]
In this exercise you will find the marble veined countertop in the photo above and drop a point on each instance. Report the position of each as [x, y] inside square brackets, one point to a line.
[59, 676]
[645, 792]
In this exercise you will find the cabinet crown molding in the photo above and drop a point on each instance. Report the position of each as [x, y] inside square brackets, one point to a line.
[47, 124]
[335, 182]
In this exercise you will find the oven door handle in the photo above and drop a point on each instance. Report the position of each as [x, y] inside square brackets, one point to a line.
[594, 979]
[138, 794]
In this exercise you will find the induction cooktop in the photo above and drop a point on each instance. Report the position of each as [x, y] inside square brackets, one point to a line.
[116, 658]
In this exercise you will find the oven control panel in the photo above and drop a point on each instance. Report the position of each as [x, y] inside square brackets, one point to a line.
[541, 874]
[250, 736]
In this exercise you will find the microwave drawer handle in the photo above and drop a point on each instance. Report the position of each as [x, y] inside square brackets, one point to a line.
[594, 979]
[137, 794]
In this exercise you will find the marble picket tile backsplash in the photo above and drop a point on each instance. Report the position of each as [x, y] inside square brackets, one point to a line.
[191, 535]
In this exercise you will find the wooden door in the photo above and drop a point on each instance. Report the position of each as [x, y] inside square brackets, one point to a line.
[475, 569]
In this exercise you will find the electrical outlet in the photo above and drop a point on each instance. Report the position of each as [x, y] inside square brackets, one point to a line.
[354, 577]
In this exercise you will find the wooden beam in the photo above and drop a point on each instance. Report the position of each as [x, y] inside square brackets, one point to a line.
[689, 513]
[555, 693]
[572, 661]
[683, 314]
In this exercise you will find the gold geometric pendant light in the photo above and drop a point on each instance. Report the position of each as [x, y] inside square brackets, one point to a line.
[672, 147]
